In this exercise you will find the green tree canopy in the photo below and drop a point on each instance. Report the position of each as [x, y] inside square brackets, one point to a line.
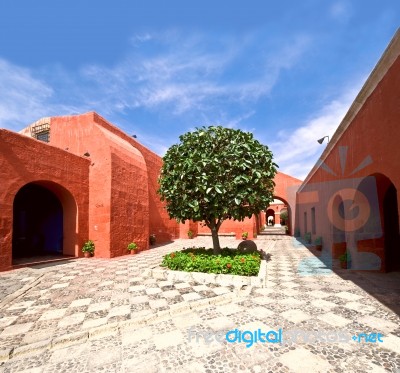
[214, 174]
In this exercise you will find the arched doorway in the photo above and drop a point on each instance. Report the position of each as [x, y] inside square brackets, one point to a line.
[44, 222]
[270, 216]
[380, 236]
[274, 222]
[391, 227]
[280, 205]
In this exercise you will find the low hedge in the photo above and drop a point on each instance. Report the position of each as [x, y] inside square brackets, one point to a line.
[229, 261]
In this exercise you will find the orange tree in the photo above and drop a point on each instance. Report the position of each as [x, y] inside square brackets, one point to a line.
[214, 174]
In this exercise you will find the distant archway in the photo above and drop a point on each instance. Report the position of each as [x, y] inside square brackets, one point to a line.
[279, 205]
[270, 216]
[44, 221]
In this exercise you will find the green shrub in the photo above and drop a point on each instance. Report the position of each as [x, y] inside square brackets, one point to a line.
[88, 247]
[307, 237]
[132, 246]
[284, 216]
[204, 260]
[318, 240]
[345, 257]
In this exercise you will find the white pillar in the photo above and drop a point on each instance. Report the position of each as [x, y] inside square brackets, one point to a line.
[277, 219]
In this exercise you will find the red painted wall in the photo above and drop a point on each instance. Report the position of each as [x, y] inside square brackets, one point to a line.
[115, 186]
[164, 228]
[373, 134]
[24, 160]
[124, 205]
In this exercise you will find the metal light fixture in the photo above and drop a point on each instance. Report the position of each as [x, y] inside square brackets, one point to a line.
[322, 139]
[134, 136]
[87, 154]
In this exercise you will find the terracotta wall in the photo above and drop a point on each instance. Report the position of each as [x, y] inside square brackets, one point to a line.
[364, 156]
[121, 181]
[24, 160]
[164, 228]
[124, 205]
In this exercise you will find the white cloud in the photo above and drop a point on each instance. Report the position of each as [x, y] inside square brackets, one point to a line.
[26, 98]
[296, 152]
[192, 76]
[141, 38]
[189, 77]
[22, 96]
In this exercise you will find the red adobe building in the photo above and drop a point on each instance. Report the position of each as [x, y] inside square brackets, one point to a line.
[69, 179]
[350, 197]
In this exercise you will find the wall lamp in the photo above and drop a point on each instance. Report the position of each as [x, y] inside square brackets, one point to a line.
[134, 136]
[87, 154]
[322, 139]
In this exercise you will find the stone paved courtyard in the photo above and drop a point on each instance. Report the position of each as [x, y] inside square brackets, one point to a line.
[90, 315]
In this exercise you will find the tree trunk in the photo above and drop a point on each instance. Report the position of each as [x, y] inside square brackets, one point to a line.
[215, 238]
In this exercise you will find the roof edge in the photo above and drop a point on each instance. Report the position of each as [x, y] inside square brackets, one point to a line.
[389, 56]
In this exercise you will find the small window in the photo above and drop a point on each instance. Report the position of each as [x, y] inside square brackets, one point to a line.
[305, 222]
[43, 136]
[313, 224]
[41, 132]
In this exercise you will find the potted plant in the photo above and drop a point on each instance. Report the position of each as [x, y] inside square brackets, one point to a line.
[245, 235]
[88, 249]
[318, 243]
[152, 239]
[190, 234]
[133, 248]
[307, 238]
[345, 260]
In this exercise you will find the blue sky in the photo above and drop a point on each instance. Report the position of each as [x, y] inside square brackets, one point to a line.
[285, 70]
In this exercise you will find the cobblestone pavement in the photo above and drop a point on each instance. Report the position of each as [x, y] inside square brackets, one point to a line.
[91, 315]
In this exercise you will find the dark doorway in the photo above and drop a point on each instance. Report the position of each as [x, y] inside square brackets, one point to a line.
[391, 229]
[270, 217]
[37, 222]
[338, 220]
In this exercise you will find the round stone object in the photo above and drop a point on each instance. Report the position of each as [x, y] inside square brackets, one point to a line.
[247, 247]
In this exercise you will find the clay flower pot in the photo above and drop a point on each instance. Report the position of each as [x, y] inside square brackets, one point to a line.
[87, 254]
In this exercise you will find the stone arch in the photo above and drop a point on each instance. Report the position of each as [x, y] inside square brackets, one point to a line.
[380, 235]
[44, 220]
[270, 216]
[286, 206]
[391, 229]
